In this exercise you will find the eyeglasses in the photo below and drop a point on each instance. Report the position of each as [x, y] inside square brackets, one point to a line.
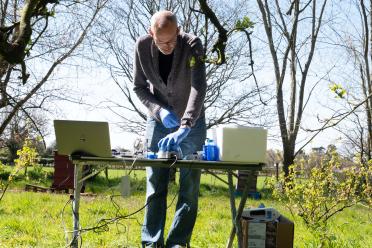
[173, 41]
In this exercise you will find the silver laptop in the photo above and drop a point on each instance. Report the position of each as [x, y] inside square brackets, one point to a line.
[84, 138]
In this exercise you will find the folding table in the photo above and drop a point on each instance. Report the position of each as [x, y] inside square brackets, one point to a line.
[80, 161]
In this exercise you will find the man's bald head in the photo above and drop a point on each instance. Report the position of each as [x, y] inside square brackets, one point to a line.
[164, 31]
[163, 20]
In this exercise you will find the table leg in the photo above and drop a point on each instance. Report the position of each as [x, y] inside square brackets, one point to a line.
[75, 204]
[240, 211]
[236, 215]
[232, 207]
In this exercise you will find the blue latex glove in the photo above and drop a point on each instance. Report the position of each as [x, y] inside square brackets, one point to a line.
[172, 141]
[168, 118]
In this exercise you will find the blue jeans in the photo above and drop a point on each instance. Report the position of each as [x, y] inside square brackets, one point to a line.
[157, 189]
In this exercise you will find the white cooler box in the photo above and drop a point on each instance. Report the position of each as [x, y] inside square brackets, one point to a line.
[242, 144]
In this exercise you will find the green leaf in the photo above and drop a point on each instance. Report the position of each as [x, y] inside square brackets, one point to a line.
[52, 13]
[338, 90]
[192, 61]
[245, 23]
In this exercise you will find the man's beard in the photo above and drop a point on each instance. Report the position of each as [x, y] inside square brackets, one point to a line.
[166, 52]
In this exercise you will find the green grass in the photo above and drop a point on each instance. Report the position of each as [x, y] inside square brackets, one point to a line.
[31, 219]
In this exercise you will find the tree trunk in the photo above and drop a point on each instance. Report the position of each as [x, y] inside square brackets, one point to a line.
[13, 146]
[277, 171]
[369, 124]
[288, 156]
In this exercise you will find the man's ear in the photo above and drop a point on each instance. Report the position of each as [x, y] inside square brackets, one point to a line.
[150, 32]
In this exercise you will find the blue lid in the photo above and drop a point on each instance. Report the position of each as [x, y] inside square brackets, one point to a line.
[151, 156]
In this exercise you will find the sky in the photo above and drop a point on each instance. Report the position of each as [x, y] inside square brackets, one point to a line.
[96, 85]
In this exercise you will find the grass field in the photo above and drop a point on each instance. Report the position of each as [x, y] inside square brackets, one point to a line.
[31, 219]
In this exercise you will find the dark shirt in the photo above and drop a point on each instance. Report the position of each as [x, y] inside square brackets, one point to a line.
[165, 65]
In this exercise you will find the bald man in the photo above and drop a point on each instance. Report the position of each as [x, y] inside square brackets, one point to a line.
[170, 80]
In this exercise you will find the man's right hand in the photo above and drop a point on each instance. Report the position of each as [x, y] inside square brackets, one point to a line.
[168, 118]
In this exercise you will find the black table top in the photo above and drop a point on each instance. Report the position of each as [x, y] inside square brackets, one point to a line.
[167, 163]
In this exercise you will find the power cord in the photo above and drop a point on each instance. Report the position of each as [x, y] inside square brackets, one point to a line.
[103, 224]
[63, 219]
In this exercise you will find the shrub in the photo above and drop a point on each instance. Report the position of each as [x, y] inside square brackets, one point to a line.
[37, 173]
[326, 191]
[2, 170]
[27, 156]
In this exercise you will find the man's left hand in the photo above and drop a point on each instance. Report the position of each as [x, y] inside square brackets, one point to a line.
[173, 140]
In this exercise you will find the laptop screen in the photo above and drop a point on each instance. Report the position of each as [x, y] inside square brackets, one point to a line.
[85, 138]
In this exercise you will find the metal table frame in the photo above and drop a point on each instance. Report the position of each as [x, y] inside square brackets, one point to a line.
[167, 163]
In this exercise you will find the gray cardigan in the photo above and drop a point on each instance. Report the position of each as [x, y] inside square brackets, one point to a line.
[185, 90]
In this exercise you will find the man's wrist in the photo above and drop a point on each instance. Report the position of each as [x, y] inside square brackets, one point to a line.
[156, 112]
[185, 124]
[162, 113]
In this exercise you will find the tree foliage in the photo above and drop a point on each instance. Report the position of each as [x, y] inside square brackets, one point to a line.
[33, 43]
[15, 38]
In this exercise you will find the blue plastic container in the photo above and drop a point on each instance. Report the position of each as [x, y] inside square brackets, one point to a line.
[205, 152]
[216, 153]
[210, 153]
[210, 150]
